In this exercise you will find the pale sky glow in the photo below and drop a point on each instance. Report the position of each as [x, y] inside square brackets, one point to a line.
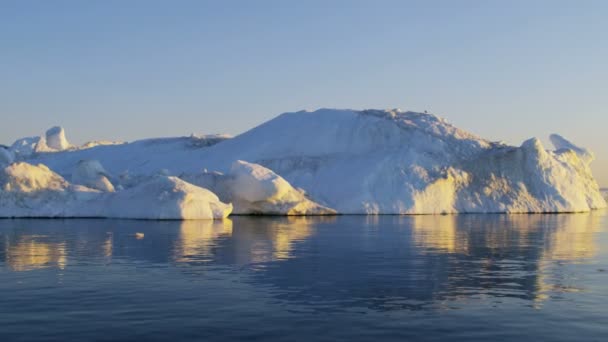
[505, 70]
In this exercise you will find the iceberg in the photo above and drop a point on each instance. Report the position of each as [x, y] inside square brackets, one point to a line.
[91, 174]
[56, 140]
[342, 161]
[35, 191]
[166, 198]
[395, 162]
[25, 147]
[6, 156]
[256, 190]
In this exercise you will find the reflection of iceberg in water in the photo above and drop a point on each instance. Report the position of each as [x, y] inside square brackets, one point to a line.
[417, 262]
[108, 246]
[565, 237]
[259, 240]
[571, 241]
[574, 237]
[464, 233]
[439, 233]
[242, 241]
[198, 237]
[377, 262]
[284, 235]
[506, 251]
[31, 252]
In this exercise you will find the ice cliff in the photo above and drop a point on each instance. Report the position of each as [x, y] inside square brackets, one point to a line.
[344, 161]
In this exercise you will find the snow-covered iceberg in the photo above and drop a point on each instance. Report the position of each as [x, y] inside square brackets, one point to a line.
[6, 157]
[35, 191]
[166, 198]
[91, 174]
[394, 162]
[354, 162]
[56, 140]
[254, 189]
[26, 147]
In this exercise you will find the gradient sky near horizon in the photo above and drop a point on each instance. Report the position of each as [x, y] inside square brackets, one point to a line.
[124, 70]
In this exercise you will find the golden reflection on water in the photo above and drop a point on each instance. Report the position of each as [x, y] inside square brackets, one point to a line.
[31, 252]
[572, 241]
[255, 240]
[439, 233]
[565, 238]
[539, 241]
[285, 235]
[273, 239]
[198, 237]
[568, 237]
[108, 245]
[574, 238]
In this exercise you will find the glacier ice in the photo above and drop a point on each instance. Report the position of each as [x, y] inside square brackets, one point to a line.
[28, 190]
[165, 197]
[6, 156]
[352, 161]
[91, 174]
[56, 140]
[254, 189]
[26, 147]
[561, 143]
[394, 162]
[36, 191]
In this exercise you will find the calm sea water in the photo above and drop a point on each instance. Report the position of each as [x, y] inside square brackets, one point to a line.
[431, 278]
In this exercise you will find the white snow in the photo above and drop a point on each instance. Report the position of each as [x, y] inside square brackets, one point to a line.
[35, 191]
[166, 198]
[356, 162]
[25, 147]
[56, 140]
[254, 189]
[95, 143]
[6, 157]
[91, 174]
[561, 143]
[142, 157]
[53, 141]
[391, 162]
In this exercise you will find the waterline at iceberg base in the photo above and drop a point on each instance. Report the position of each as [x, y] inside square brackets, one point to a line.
[304, 163]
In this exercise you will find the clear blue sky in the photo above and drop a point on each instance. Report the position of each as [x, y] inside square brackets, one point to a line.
[506, 70]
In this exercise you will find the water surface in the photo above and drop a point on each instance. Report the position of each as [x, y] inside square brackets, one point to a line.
[430, 278]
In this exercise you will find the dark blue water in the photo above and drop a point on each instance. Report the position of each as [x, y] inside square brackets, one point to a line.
[431, 278]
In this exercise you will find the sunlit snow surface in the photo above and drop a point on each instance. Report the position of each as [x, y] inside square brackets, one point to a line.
[323, 162]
